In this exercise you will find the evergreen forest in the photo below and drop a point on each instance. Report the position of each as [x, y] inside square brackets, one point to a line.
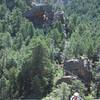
[38, 63]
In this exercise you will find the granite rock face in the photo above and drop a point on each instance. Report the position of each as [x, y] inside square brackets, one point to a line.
[77, 67]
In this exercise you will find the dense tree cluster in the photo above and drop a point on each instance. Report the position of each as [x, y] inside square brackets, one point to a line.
[27, 66]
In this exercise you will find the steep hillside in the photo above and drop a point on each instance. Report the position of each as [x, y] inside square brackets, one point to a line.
[30, 60]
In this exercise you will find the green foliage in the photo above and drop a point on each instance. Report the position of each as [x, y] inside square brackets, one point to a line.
[27, 69]
[60, 93]
[14, 20]
[77, 85]
[37, 72]
[90, 97]
[57, 38]
[5, 40]
[27, 29]
[2, 10]
[17, 43]
[58, 73]
[85, 36]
